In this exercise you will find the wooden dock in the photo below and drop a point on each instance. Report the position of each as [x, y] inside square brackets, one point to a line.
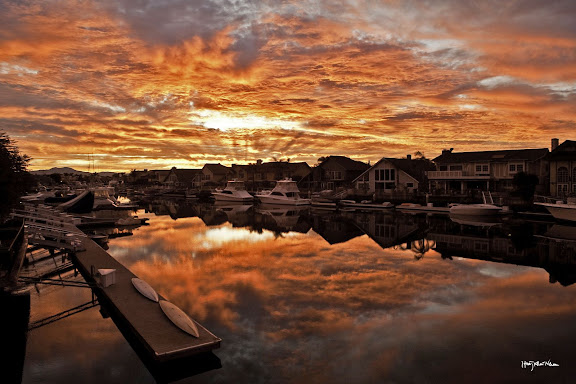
[140, 320]
[143, 317]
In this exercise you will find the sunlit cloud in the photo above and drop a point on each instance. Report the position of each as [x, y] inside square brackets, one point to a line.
[194, 79]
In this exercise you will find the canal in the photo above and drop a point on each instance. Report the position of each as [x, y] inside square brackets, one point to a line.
[304, 296]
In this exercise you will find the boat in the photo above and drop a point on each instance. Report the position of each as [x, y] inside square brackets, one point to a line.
[235, 191]
[483, 209]
[320, 203]
[94, 199]
[285, 192]
[561, 210]
[365, 205]
[428, 208]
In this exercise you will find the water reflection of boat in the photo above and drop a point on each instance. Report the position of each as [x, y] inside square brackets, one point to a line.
[235, 191]
[236, 213]
[561, 233]
[286, 218]
[475, 221]
[285, 192]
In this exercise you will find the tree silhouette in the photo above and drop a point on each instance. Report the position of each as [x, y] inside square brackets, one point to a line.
[14, 178]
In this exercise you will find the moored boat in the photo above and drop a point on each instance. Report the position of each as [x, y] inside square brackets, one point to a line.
[285, 192]
[235, 191]
[483, 209]
[561, 210]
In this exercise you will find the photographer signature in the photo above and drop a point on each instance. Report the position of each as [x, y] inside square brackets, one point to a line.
[532, 364]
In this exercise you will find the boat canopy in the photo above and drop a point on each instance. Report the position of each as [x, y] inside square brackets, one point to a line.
[235, 185]
[286, 185]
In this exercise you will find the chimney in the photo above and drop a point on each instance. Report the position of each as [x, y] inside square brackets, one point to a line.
[409, 157]
[555, 143]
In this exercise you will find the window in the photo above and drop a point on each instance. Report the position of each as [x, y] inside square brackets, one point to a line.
[276, 194]
[515, 168]
[456, 167]
[385, 175]
[409, 185]
[443, 168]
[482, 170]
[335, 175]
[562, 175]
[389, 185]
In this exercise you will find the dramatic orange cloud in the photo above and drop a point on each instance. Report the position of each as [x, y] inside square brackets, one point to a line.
[142, 85]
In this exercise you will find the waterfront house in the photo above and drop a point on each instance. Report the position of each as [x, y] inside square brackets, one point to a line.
[264, 175]
[334, 172]
[183, 178]
[147, 177]
[562, 160]
[390, 175]
[459, 172]
[215, 175]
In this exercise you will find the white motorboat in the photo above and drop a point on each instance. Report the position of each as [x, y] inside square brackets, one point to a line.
[561, 210]
[365, 204]
[285, 192]
[235, 191]
[484, 209]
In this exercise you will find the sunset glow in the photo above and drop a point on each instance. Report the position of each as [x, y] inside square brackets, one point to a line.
[156, 84]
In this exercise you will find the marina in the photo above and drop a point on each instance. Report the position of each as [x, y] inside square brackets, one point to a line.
[267, 247]
[287, 192]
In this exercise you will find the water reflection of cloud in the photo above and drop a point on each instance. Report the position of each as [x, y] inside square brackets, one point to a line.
[294, 308]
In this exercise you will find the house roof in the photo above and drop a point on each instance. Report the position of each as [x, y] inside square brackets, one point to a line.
[415, 168]
[217, 169]
[187, 173]
[565, 151]
[347, 163]
[491, 156]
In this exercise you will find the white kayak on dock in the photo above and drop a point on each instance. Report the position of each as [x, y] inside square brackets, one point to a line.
[145, 289]
[179, 318]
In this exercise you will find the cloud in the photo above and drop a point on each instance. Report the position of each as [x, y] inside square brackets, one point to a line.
[372, 79]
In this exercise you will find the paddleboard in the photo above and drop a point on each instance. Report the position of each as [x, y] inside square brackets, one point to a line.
[145, 289]
[179, 318]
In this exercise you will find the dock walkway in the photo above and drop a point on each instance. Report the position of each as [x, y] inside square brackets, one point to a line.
[138, 318]
[143, 317]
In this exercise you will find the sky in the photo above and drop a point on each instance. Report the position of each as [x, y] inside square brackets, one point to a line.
[135, 84]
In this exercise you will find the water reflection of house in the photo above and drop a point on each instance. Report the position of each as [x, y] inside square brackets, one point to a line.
[388, 230]
[334, 228]
[551, 250]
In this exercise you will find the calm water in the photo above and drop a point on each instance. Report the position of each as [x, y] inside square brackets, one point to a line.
[308, 297]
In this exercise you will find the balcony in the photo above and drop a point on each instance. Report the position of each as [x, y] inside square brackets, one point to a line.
[455, 175]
